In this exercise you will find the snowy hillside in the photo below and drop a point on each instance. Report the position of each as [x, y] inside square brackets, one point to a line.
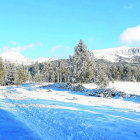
[119, 54]
[43, 59]
[14, 57]
[123, 54]
[19, 58]
[33, 112]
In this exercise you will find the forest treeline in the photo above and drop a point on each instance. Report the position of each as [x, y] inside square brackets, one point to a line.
[79, 68]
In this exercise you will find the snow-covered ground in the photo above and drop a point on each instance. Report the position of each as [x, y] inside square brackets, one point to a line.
[127, 87]
[36, 113]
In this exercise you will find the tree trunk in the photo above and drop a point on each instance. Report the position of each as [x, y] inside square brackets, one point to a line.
[58, 78]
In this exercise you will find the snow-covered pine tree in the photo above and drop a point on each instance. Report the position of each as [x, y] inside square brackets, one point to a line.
[138, 74]
[116, 73]
[66, 72]
[29, 77]
[10, 73]
[128, 73]
[6, 65]
[83, 63]
[2, 72]
[27, 73]
[61, 71]
[57, 71]
[21, 75]
[52, 71]
[134, 74]
[37, 75]
[121, 72]
[15, 69]
[101, 79]
[45, 72]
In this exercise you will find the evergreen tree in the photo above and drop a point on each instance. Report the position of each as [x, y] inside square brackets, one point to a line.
[37, 75]
[128, 73]
[45, 72]
[21, 75]
[58, 71]
[28, 76]
[121, 72]
[2, 72]
[52, 71]
[83, 63]
[61, 71]
[66, 72]
[101, 79]
[10, 73]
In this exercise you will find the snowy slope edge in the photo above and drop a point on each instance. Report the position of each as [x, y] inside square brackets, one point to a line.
[118, 54]
[19, 58]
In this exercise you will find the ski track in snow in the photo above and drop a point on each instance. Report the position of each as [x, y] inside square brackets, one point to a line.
[29, 112]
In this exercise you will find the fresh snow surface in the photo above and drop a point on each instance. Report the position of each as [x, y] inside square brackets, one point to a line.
[34, 113]
[127, 87]
[117, 54]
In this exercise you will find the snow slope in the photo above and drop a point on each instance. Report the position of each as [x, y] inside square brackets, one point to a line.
[117, 54]
[14, 57]
[19, 58]
[32, 112]
[43, 59]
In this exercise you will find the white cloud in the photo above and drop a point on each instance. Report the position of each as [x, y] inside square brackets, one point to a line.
[58, 48]
[131, 35]
[39, 44]
[60, 51]
[91, 39]
[17, 49]
[29, 46]
[14, 42]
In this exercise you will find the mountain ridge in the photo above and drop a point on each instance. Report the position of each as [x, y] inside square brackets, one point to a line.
[14, 57]
[19, 58]
[118, 54]
[112, 55]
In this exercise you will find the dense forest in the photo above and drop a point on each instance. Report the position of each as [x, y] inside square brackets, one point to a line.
[79, 68]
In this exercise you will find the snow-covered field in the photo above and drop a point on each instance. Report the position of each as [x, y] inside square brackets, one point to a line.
[35, 113]
[127, 87]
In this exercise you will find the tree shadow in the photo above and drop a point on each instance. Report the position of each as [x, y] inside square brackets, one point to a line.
[11, 128]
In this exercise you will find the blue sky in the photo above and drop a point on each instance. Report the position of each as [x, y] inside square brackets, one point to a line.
[52, 28]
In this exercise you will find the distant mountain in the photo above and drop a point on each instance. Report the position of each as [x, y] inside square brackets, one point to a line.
[14, 57]
[19, 58]
[111, 55]
[43, 59]
[120, 54]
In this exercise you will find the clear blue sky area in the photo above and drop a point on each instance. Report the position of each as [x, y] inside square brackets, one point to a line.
[43, 28]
